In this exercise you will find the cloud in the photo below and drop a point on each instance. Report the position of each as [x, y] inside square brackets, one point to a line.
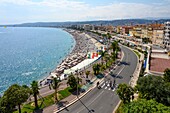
[17, 2]
[69, 10]
[48, 3]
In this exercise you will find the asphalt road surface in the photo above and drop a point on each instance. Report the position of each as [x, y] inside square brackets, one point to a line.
[104, 100]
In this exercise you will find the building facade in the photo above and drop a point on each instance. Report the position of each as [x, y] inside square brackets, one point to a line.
[166, 40]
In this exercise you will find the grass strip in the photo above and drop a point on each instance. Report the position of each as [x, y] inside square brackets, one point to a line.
[46, 101]
[137, 53]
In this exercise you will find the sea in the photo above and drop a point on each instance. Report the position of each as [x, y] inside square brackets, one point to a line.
[31, 53]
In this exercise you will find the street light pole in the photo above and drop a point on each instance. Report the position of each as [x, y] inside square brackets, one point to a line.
[77, 82]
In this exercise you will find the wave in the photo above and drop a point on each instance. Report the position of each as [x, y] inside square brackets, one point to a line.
[27, 73]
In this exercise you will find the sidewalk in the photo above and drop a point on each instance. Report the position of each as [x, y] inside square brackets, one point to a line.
[135, 76]
[70, 99]
[73, 98]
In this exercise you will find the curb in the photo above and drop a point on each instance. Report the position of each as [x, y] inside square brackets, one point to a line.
[130, 79]
[76, 99]
[92, 87]
[116, 107]
[73, 101]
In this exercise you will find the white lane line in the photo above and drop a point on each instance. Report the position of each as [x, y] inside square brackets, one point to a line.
[108, 85]
[102, 85]
[91, 101]
[109, 89]
[105, 87]
[120, 71]
[101, 82]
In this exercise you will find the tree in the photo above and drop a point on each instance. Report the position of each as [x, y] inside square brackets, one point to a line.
[144, 106]
[15, 95]
[113, 56]
[35, 91]
[167, 75]
[125, 93]
[148, 85]
[73, 81]
[55, 85]
[154, 87]
[96, 69]
[87, 73]
[5, 106]
[115, 48]
[102, 53]
[106, 58]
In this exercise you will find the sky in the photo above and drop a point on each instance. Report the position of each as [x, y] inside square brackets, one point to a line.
[24, 11]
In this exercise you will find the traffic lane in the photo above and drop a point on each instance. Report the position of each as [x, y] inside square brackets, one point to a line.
[94, 104]
[108, 100]
[119, 66]
[85, 100]
[87, 107]
[105, 103]
[129, 70]
[90, 98]
[94, 101]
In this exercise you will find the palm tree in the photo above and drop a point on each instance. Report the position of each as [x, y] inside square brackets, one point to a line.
[102, 55]
[106, 57]
[114, 46]
[56, 84]
[87, 74]
[74, 81]
[96, 69]
[35, 91]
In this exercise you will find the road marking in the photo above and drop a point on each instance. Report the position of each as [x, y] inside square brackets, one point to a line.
[101, 82]
[105, 87]
[109, 88]
[91, 101]
[102, 85]
[113, 89]
[120, 71]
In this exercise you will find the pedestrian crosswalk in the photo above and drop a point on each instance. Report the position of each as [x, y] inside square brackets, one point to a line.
[107, 86]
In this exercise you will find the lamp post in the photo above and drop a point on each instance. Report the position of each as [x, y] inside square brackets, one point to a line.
[77, 82]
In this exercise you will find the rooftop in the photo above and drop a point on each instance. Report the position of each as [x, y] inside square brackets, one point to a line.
[159, 64]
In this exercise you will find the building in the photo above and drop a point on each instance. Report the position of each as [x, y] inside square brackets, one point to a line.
[166, 40]
[88, 27]
[126, 29]
[109, 29]
[158, 34]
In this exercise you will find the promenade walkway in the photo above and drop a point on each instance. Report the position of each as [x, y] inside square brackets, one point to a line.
[73, 98]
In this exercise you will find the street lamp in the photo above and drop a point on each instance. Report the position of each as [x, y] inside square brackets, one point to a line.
[77, 81]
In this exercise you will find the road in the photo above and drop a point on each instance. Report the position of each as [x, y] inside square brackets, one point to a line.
[104, 100]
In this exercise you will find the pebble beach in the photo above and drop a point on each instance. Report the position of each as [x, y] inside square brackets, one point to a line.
[84, 44]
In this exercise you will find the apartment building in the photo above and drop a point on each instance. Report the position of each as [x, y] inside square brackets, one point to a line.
[166, 39]
[126, 29]
[158, 34]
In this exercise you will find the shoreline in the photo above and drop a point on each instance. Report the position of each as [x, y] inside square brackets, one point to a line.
[81, 48]
[47, 75]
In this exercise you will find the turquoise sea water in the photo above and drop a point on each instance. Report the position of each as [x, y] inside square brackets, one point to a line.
[28, 54]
